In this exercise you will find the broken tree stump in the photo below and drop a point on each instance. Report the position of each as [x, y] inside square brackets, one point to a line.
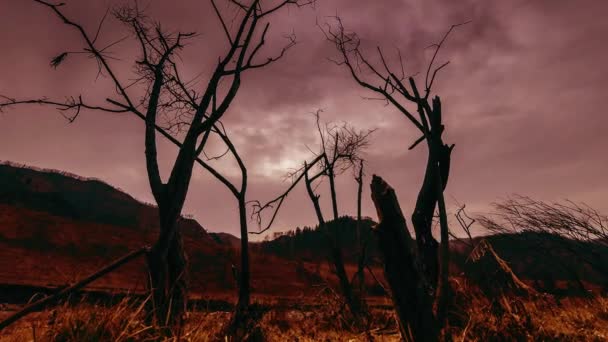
[410, 292]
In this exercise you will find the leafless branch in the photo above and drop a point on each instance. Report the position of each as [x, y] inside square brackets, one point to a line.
[339, 150]
[465, 222]
[569, 219]
[437, 48]
[275, 203]
[69, 105]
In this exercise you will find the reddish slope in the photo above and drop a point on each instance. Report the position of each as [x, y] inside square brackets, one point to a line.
[37, 248]
[56, 228]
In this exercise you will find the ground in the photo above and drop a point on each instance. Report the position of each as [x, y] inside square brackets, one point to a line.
[542, 319]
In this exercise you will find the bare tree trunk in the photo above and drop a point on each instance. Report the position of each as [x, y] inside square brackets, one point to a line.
[244, 282]
[167, 262]
[360, 276]
[167, 265]
[443, 287]
[422, 220]
[410, 290]
[345, 286]
[168, 282]
[335, 252]
[178, 279]
[242, 320]
[332, 188]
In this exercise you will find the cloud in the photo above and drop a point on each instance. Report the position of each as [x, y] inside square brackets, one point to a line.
[524, 99]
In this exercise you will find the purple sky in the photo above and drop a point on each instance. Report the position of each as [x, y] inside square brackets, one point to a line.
[524, 101]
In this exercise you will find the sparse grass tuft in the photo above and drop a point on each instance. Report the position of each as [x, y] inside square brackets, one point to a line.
[88, 322]
[537, 320]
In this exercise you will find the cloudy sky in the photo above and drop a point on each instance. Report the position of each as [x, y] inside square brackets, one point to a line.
[524, 100]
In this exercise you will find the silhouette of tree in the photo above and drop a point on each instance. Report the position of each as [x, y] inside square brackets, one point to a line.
[243, 276]
[433, 258]
[359, 277]
[167, 94]
[340, 149]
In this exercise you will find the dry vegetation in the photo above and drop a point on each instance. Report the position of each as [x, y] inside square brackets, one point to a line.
[541, 319]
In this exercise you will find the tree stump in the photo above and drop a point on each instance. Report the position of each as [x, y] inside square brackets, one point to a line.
[411, 294]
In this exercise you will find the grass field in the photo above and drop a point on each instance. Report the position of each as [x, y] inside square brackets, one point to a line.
[542, 319]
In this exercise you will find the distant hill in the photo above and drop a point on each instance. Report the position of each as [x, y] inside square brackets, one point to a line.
[549, 260]
[226, 239]
[56, 228]
[546, 261]
[67, 195]
[311, 243]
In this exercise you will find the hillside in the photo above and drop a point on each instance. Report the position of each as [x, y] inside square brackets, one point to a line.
[226, 239]
[551, 263]
[56, 228]
[311, 243]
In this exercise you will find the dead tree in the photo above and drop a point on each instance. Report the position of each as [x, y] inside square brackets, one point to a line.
[167, 95]
[359, 276]
[339, 150]
[243, 275]
[399, 90]
[242, 321]
[465, 222]
[409, 287]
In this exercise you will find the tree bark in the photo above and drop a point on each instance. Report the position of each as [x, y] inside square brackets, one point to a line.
[244, 282]
[345, 286]
[410, 291]
[242, 319]
[360, 275]
[168, 282]
[443, 286]
[431, 194]
[178, 279]
[332, 186]
[422, 220]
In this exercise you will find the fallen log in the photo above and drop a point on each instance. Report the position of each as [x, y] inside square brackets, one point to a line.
[70, 289]
[493, 275]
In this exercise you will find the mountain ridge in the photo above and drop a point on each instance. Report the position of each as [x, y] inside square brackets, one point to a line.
[56, 227]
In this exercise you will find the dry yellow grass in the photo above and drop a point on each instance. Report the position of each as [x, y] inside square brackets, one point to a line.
[532, 320]
[541, 319]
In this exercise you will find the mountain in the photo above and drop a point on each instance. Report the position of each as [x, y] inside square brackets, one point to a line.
[549, 262]
[57, 227]
[311, 243]
[226, 239]
[552, 262]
